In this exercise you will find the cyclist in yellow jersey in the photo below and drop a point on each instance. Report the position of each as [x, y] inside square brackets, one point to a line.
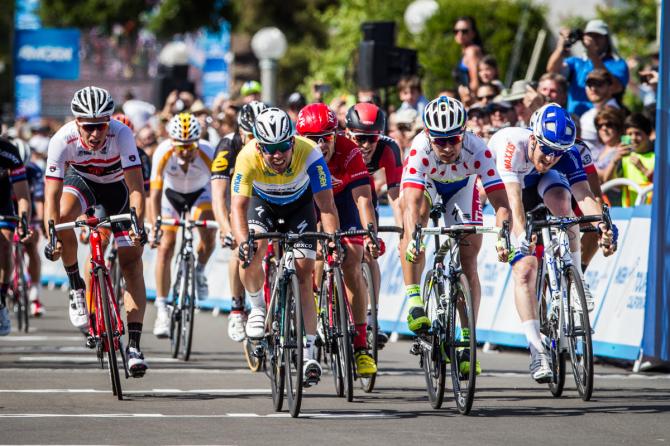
[180, 177]
[279, 176]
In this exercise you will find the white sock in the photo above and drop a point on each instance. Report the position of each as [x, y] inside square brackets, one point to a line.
[161, 302]
[532, 330]
[309, 349]
[256, 299]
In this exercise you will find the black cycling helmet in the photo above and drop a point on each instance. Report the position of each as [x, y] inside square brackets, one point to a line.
[366, 118]
[247, 115]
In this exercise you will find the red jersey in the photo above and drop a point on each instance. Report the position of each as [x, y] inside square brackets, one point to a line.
[347, 167]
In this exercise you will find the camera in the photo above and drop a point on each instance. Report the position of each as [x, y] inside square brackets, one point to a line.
[575, 36]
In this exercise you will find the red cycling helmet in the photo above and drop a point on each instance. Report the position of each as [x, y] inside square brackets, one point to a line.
[124, 119]
[316, 119]
[366, 118]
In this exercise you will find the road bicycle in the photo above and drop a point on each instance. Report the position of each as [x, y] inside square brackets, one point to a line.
[106, 327]
[451, 338]
[182, 305]
[368, 382]
[562, 308]
[282, 346]
[19, 286]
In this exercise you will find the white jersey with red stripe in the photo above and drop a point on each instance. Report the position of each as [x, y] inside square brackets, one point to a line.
[106, 165]
[423, 164]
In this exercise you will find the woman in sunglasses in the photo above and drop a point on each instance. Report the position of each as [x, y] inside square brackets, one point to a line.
[279, 177]
[353, 198]
[94, 161]
[542, 165]
[442, 166]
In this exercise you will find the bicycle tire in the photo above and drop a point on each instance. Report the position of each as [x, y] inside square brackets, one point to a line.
[433, 361]
[550, 327]
[331, 354]
[276, 357]
[343, 338]
[117, 279]
[188, 312]
[178, 291]
[579, 327]
[463, 384]
[20, 292]
[293, 345]
[368, 382]
[109, 334]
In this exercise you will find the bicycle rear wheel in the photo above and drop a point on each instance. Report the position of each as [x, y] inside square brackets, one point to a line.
[579, 334]
[462, 351]
[110, 334]
[179, 290]
[293, 343]
[276, 357]
[550, 327]
[433, 360]
[20, 295]
[368, 382]
[188, 311]
[343, 337]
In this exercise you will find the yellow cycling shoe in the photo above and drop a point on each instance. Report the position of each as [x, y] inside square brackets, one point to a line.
[365, 364]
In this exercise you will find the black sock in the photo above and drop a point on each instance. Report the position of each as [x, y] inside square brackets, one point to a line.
[238, 303]
[134, 334]
[4, 288]
[76, 282]
[584, 266]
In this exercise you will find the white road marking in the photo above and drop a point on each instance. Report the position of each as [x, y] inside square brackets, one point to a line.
[83, 359]
[223, 415]
[40, 338]
[148, 391]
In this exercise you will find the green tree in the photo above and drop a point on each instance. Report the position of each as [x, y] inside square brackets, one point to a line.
[6, 75]
[633, 24]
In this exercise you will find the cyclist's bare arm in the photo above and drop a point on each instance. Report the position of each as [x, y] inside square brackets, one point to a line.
[500, 203]
[363, 199]
[154, 210]
[516, 206]
[324, 200]
[53, 190]
[22, 192]
[239, 206]
[394, 198]
[220, 187]
[135, 184]
[413, 199]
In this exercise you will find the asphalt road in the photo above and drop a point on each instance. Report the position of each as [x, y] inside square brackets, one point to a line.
[52, 392]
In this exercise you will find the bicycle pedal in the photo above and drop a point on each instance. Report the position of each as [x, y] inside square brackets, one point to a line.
[415, 349]
[90, 342]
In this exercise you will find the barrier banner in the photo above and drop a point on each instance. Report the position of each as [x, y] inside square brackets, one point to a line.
[48, 53]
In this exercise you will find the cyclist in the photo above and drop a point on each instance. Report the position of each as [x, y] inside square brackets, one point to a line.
[443, 164]
[180, 177]
[353, 198]
[12, 178]
[93, 161]
[279, 176]
[222, 170]
[365, 125]
[541, 164]
[35, 177]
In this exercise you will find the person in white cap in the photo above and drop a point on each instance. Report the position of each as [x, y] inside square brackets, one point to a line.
[600, 53]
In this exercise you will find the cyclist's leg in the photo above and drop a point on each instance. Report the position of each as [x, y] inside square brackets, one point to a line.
[164, 255]
[202, 210]
[6, 238]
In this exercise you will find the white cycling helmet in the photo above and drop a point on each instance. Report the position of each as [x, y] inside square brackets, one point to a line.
[92, 102]
[273, 126]
[184, 128]
[444, 117]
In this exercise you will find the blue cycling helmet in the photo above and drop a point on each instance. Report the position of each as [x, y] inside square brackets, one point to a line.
[553, 127]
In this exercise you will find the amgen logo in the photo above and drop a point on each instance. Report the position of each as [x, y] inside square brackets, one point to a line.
[45, 53]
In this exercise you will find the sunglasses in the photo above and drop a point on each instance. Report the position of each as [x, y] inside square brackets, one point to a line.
[548, 151]
[185, 147]
[321, 139]
[487, 97]
[461, 31]
[605, 124]
[93, 126]
[362, 138]
[495, 109]
[281, 147]
[446, 141]
[595, 84]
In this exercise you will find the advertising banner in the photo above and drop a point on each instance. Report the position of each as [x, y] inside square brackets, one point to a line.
[48, 53]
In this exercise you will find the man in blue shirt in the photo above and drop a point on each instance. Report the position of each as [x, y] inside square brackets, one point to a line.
[599, 54]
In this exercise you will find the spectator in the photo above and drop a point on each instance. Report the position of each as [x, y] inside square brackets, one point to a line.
[39, 143]
[486, 93]
[411, 95]
[403, 127]
[251, 91]
[319, 89]
[479, 120]
[340, 106]
[296, 102]
[518, 97]
[639, 165]
[554, 88]
[500, 113]
[203, 115]
[146, 140]
[468, 38]
[600, 53]
[487, 70]
[369, 96]
[450, 93]
[599, 92]
[609, 122]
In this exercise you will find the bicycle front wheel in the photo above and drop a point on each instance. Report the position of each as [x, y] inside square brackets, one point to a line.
[343, 337]
[368, 382]
[433, 357]
[579, 334]
[111, 331]
[276, 357]
[20, 291]
[179, 291]
[550, 327]
[188, 312]
[293, 344]
[463, 350]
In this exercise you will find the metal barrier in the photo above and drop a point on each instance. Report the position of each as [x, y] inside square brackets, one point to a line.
[642, 192]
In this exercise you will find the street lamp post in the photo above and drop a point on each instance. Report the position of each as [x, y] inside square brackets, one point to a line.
[269, 45]
[418, 13]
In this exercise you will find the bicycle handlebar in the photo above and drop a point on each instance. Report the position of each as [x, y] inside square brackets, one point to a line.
[210, 224]
[22, 222]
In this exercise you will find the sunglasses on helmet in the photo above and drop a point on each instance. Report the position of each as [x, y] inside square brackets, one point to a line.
[362, 138]
[281, 147]
[93, 126]
[444, 141]
[323, 138]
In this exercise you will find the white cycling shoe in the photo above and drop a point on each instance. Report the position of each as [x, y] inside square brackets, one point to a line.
[236, 322]
[540, 370]
[77, 309]
[256, 323]
[162, 323]
[311, 373]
